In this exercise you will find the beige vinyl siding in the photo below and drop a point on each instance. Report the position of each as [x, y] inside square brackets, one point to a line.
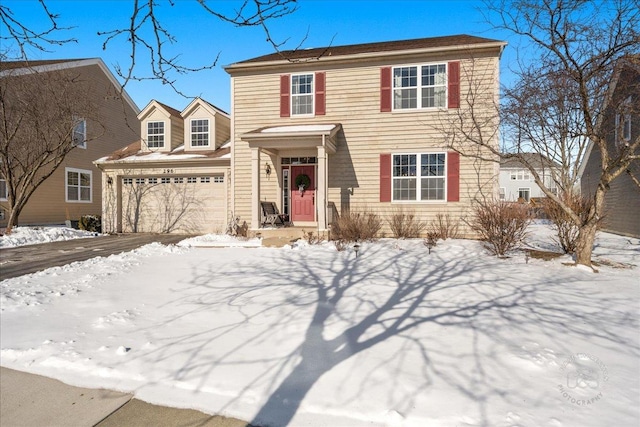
[119, 126]
[353, 99]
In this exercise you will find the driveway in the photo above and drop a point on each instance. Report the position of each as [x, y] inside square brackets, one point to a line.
[32, 258]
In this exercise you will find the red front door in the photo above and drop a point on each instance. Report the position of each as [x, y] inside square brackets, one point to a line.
[303, 202]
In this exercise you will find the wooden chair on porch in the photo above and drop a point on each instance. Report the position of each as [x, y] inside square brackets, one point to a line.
[270, 215]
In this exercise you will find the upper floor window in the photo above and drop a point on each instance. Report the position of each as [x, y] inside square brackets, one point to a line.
[520, 175]
[155, 134]
[623, 123]
[200, 132]
[3, 189]
[419, 177]
[78, 185]
[301, 94]
[423, 86]
[79, 134]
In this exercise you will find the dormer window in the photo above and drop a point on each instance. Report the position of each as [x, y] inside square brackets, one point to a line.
[155, 134]
[200, 132]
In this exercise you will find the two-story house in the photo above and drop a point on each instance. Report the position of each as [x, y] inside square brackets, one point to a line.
[360, 127]
[620, 123]
[175, 178]
[74, 189]
[516, 180]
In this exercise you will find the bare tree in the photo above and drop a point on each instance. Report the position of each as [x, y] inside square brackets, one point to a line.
[556, 106]
[43, 116]
[148, 36]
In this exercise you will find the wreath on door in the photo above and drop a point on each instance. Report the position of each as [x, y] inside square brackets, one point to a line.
[303, 181]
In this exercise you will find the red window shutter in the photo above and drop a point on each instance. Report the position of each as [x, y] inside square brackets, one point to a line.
[285, 99]
[453, 176]
[454, 84]
[385, 89]
[385, 177]
[320, 94]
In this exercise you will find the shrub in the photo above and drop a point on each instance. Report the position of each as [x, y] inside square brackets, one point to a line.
[502, 225]
[405, 225]
[352, 227]
[91, 223]
[566, 229]
[444, 226]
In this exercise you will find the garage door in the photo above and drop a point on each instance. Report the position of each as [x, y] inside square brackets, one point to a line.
[177, 204]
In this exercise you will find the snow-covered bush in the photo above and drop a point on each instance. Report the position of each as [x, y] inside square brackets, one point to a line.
[502, 225]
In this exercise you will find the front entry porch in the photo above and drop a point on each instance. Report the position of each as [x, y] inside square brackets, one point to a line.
[300, 155]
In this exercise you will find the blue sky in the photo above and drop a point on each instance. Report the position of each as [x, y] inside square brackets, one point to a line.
[200, 36]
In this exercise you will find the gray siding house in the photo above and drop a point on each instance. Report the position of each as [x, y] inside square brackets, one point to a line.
[621, 121]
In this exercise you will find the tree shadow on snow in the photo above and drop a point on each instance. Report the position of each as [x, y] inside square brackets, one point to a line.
[351, 304]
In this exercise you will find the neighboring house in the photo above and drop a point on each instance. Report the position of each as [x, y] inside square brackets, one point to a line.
[621, 122]
[75, 188]
[340, 129]
[176, 178]
[516, 180]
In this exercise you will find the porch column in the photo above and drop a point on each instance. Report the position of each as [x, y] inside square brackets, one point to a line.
[255, 188]
[321, 187]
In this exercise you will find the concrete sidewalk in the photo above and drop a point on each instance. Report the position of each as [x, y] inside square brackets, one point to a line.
[33, 400]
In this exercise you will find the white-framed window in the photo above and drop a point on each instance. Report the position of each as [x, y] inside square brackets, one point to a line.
[502, 193]
[200, 132]
[520, 175]
[192, 180]
[623, 123]
[178, 180]
[127, 181]
[165, 180]
[79, 133]
[420, 86]
[155, 134]
[302, 92]
[419, 177]
[218, 179]
[78, 185]
[524, 194]
[4, 191]
[140, 181]
[205, 179]
[153, 180]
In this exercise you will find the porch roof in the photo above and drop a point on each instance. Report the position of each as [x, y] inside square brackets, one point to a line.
[294, 136]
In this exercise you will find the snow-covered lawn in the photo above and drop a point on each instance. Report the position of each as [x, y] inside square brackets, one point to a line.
[21, 236]
[309, 336]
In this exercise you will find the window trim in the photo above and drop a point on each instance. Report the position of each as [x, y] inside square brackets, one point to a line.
[163, 134]
[207, 133]
[312, 94]
[623, 123]
[83, 122]
[4, 197]
[418, 177]
[419, 87]
[66, 185]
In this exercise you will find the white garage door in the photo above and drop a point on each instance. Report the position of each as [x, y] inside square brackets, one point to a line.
[176, 204]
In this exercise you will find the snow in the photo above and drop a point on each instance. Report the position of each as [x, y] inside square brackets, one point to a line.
[21, 236]
[299, 128]
[308, 336]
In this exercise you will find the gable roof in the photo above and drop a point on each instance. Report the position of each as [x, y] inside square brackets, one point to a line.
[206, 104]
[333, 52]
[537, 160]
[15, 68]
